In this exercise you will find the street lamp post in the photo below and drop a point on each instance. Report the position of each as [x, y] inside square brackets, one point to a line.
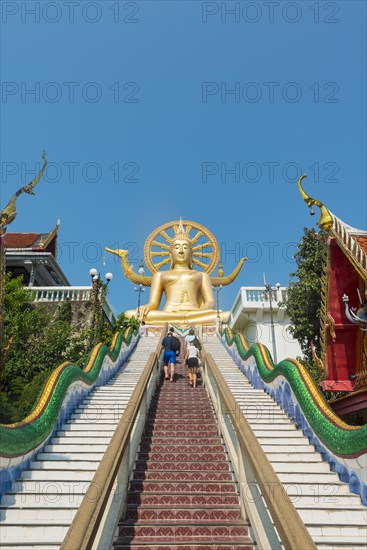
[217, 290]
[99, 289]
[269, 289]
[139, 289]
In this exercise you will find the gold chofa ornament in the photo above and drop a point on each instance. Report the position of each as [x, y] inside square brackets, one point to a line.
[178, 247]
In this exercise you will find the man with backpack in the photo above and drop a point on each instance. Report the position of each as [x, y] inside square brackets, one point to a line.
[171, 346]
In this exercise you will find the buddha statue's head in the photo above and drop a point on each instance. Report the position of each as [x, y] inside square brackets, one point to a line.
[181, 249]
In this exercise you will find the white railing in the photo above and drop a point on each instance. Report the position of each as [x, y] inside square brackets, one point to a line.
[61, 293]
[260, 295]
[68, 294]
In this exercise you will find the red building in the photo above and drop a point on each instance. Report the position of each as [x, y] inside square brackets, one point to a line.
[344, 313]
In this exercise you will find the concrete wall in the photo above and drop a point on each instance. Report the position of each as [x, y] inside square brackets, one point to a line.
[81, 312]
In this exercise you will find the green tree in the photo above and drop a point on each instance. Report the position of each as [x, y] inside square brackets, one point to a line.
[38, 344]
[122, 323]
[304, 294]
[65, 312]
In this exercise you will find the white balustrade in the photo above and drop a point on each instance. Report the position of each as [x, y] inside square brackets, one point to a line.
[61, 293]
[258, 294]
[68, 294]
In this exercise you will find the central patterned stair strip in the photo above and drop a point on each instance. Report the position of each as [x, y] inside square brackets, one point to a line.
[39, 509]
[182, 492]
[335, 518]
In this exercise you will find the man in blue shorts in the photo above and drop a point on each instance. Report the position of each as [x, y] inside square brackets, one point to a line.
[169, 356]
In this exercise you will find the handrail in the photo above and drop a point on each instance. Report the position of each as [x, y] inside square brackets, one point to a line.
[287, 521]
[86, 522]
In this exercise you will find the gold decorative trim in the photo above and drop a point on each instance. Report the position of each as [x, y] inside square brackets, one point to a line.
[324, 310]
[326, 219]
[48, 238]
[351, 248]
[224, 281]
[345, 238]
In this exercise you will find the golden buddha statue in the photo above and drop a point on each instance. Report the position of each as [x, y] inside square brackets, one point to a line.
[188, 292]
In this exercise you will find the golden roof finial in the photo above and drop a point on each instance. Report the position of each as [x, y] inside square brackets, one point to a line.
[8, 215]
[326, 220]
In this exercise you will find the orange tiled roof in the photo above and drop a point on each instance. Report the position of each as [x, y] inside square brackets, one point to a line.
[362, 241]
[21, 240]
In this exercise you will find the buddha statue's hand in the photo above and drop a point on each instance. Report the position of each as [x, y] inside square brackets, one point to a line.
[144, 310]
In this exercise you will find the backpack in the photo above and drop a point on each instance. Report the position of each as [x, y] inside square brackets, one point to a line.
[197, 344]
[175, 344]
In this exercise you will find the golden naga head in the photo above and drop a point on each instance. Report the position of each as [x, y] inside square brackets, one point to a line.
[326, 219]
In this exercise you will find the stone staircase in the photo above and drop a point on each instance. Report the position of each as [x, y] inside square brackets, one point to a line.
[40, 507]
[182, 492]
[335, 518]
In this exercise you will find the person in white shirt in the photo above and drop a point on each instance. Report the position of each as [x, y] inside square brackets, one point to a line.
[143, 329]
[192, 360]
[189, 338]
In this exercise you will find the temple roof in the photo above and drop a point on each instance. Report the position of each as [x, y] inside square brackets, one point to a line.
[362, 241]
[351, 240]
[34, 241]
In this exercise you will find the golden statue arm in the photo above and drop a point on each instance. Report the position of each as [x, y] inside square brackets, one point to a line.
[128, 270]
[9, 213]
[224, 281]
[326, 219]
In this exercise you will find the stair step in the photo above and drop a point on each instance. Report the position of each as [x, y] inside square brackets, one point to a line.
[58, 475]
[86, 465]
[34, 500]
[168, 448]
[74, 439]
[156, 439]
[89, 427]
[37, 516]
[303, 478]
[338, 537]
[69, 448]
[187, 426]
[202, 487]
[174, 457]
[74, 456]
[273, 449]
[182, 515]
[180, 416]
[182, 533]
[171, 476]
[273, 441]
[260, 428]
[181, 500]
[197, 545]
[29, 534]
[331, 517]
[293, 457]
[304, 467]
[175, 430]
[46, 488]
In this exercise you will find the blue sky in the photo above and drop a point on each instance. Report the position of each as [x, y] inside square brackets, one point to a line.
[132, 102]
